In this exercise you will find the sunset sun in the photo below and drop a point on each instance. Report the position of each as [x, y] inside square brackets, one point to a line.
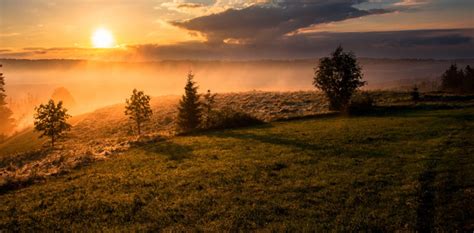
[102, 38]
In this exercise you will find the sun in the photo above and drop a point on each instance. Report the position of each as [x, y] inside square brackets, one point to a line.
[102, 38]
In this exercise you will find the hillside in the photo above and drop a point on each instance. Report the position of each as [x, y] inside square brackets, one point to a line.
[401, 170]
[100, 134]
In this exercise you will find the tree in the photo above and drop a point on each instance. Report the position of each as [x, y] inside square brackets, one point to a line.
[208, 105]
[468, 83]
[338, 76]
[6, 120]
[415, 95]
[138, 108]
[451, 79]
[189, 110]
[51, 120]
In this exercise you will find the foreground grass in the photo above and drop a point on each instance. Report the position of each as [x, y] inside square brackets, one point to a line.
[410, 171]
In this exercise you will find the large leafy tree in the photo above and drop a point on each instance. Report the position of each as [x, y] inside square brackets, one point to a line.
[138, 108]
[51, 120]
[6, 120]
[338, 76]
[189, 110]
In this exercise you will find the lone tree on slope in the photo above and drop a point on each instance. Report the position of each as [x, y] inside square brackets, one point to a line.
[6, 121]
[189, 110]
[138, 108]
[338, 76]
[50, 119]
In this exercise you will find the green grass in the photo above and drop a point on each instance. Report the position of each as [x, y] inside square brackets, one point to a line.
[410, 171]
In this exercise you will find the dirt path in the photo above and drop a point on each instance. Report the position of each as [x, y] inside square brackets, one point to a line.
[446, 185]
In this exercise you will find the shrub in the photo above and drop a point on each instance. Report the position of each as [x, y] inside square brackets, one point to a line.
[361, 103]
[230, 118]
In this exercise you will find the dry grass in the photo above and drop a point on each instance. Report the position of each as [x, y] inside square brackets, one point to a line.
[98, 135]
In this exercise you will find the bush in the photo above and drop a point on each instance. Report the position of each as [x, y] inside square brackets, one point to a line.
[415, 95]
[230, 118]
[361, 103]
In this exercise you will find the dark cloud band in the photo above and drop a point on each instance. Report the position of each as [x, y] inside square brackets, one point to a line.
[268, 21]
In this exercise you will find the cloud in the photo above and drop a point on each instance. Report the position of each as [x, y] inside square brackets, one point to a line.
[440, 44]
[190, 5]
[261, 22]
[411, 2]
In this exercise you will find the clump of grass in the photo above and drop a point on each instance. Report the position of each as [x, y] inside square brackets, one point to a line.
[361, 103]
[228, 118]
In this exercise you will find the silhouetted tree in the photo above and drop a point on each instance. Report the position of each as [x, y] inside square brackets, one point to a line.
[138, 108]
[189, 115]
[468, 83]
[415, 94]
[207, 107]
[451, 80]
[338, 77]
[6, 120]
[457, 80]
[51, 120]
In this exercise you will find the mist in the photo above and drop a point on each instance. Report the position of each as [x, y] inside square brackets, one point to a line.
[94, 84]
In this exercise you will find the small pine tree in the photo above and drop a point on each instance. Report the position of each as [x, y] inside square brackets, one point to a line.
[189, 110]
[6, 120]
[415, 95]
[51, 120]
[208, 105]
[138, 108]
[338, 76]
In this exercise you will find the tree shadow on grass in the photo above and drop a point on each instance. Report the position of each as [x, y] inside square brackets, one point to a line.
[274, 139]
[167, 148]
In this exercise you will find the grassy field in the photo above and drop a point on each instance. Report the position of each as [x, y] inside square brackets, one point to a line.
[399, 170]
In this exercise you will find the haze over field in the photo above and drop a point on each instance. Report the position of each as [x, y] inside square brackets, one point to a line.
[95, 84]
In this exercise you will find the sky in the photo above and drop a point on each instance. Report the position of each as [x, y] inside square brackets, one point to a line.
[145, 30]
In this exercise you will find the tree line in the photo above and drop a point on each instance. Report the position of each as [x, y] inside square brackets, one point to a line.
[458, 80]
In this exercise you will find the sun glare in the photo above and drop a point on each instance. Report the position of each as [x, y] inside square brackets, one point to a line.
[102, 38]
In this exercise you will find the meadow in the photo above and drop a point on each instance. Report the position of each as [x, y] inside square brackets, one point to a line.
[401, 167]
